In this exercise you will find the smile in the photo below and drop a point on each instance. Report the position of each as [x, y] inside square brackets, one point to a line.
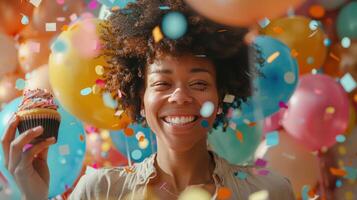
[180, 120]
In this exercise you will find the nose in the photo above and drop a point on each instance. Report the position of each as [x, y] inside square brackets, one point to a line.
[180, 96]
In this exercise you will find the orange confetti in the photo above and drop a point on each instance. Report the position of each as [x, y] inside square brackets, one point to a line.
[251, 124]
[294, 53]
[337, 172]
[128, 170]
[278, 30]
[81, 137]
[273, 56]
[316, 11]
[224, 193]
[333, 56]
[239, 136]
[129, 132]
[156, 32]
[64, 27]
[141, 138]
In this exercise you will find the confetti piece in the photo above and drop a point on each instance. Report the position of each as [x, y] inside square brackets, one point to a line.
[60, 2]
[333, 56]
[174, 25]
[129, 132]
[346, 42]
[86, 91]
[224, 193]
[64, 28]
[260, 195]
[260, 162]
[118, 113]
[73, 17]
[34, 47]
[164, 8]
[139, 134]
[144, 143]
[99, 69]
[81, 137]
[289, 77]
[330, 110]
[136, 154]
[340, 138]
[20, 84]
[36, 3]
[278, 30]
[96, 89]
[264, 22]
[327, 42]
[50, 27]
[342, 150]
[337, 172]
[109, 101]
[204, 123]
[241, 175]
[100, 83]
[304, 192]
[129, 170]
[313, 25]
[232, 125]
[294, 53]
[348, 83]
[64, 150]
[207, 109]
[338, 183]
[228, 98]
[27, 147]
[316, 11]
[263, 172]
[105, 147]
[272, 138]
[24, 19]
[273, 56]
[92, 5]
[351, 173]
[239, 136]
[283, 105]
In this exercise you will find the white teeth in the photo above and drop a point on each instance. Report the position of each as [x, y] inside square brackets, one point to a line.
[180, 120]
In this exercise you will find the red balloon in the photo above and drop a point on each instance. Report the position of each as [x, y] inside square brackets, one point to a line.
[317, 112]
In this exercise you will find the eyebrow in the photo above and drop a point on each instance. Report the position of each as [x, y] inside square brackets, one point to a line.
[193, 70]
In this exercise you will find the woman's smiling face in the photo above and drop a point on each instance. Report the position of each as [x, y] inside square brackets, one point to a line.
[175, 90]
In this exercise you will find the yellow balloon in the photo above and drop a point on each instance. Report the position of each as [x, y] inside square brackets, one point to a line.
[74, 76]
[304, 37]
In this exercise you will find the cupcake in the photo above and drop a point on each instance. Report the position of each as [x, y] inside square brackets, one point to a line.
[38, 108]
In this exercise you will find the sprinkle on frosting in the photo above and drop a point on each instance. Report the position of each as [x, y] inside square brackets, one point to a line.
[38, 98]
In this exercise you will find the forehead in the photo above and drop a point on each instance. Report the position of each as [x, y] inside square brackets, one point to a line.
[181, 64]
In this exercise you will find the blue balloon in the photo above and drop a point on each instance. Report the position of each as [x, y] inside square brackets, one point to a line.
[347, 21]
[65, 158]
[236, 145]
[275, 87]
[130, 145]
[8, 187]
[174, 25]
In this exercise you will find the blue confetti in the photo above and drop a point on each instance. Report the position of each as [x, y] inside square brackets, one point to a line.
[338, 183]
[264, 22]
[327, 42]
[174, 25]
[340, 138]
[207, 109]
[272, 138]
[136, 154]
[346, 42]
[304, 192]
[20, 84]
[164, 8]
[313, 25]
[241, 175]
[348, 83]
[204, 123]
[86, 91]
[109, 101]
[351, 173]
[24, 20]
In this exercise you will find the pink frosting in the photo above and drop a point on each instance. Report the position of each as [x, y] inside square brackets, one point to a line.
[38, 98]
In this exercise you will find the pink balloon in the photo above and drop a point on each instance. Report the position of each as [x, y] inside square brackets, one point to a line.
[317, 112]
[273, 122]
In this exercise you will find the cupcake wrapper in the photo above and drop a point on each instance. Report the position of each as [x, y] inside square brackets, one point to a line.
[49, 123]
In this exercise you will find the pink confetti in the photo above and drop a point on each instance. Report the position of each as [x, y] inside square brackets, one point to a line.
[60, 2]
[93, 5]
[260, 162]
[283, 105]
[100, 83]
[263, 172]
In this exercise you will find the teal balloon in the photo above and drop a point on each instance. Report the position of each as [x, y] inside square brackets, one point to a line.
[275, 87]
[8, 187]
[230, 147]
[347, 21]
[65, 158]
[120, 3]
[129, 145]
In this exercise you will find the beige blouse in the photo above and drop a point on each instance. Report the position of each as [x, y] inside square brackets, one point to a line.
[131, 182]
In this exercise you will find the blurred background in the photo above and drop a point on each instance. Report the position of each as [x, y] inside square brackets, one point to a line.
[300, 121]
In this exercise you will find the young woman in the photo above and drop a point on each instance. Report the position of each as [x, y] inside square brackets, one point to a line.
[164, 83]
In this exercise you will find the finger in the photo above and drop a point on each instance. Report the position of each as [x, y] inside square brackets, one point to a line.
[8, 136]
[17, 146]
[29, 155]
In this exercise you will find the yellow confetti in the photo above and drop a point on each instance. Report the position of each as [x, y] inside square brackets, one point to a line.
[105, 134]
[157, 34]
[349, 195]
[96, 89]
[273, 56]
[105, 147]
[144, 143]
[260, 195]
[330, 110]
[99, 69]
[342, 150]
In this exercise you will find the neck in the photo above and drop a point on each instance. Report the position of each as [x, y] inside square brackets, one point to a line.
[183, 168]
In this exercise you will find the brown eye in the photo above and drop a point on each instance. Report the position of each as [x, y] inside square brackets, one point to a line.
[200, 85]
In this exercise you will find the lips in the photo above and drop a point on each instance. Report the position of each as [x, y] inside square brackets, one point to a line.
[180, 120]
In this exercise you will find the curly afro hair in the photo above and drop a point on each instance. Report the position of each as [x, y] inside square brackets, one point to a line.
[130, 46]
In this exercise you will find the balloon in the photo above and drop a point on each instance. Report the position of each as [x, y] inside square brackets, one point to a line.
[331, 4]
[38, 79]
[33, 53]
[304, 37]
[293, 161]
[50, 11]
[242, 12]
[317, 112]
[8, 59]
[65, 158]
[138, 145]
[9, 189]
[331, 66]
[236, 145]
[11, 15]
[274, 88]
[347, 21]
[72, 67]
[7, 87]
[273, 122]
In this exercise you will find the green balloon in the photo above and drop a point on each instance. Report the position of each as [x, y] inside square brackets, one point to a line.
[236, 149]
[347, 21]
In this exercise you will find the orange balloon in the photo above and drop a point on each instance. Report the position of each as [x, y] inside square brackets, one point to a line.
[305, 39]
[293, 161]
[33, 53]
[242, 12]
[8, 91]
[11, 13]
[51, 11]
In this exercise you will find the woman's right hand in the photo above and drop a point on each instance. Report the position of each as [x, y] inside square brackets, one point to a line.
[27, 165]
